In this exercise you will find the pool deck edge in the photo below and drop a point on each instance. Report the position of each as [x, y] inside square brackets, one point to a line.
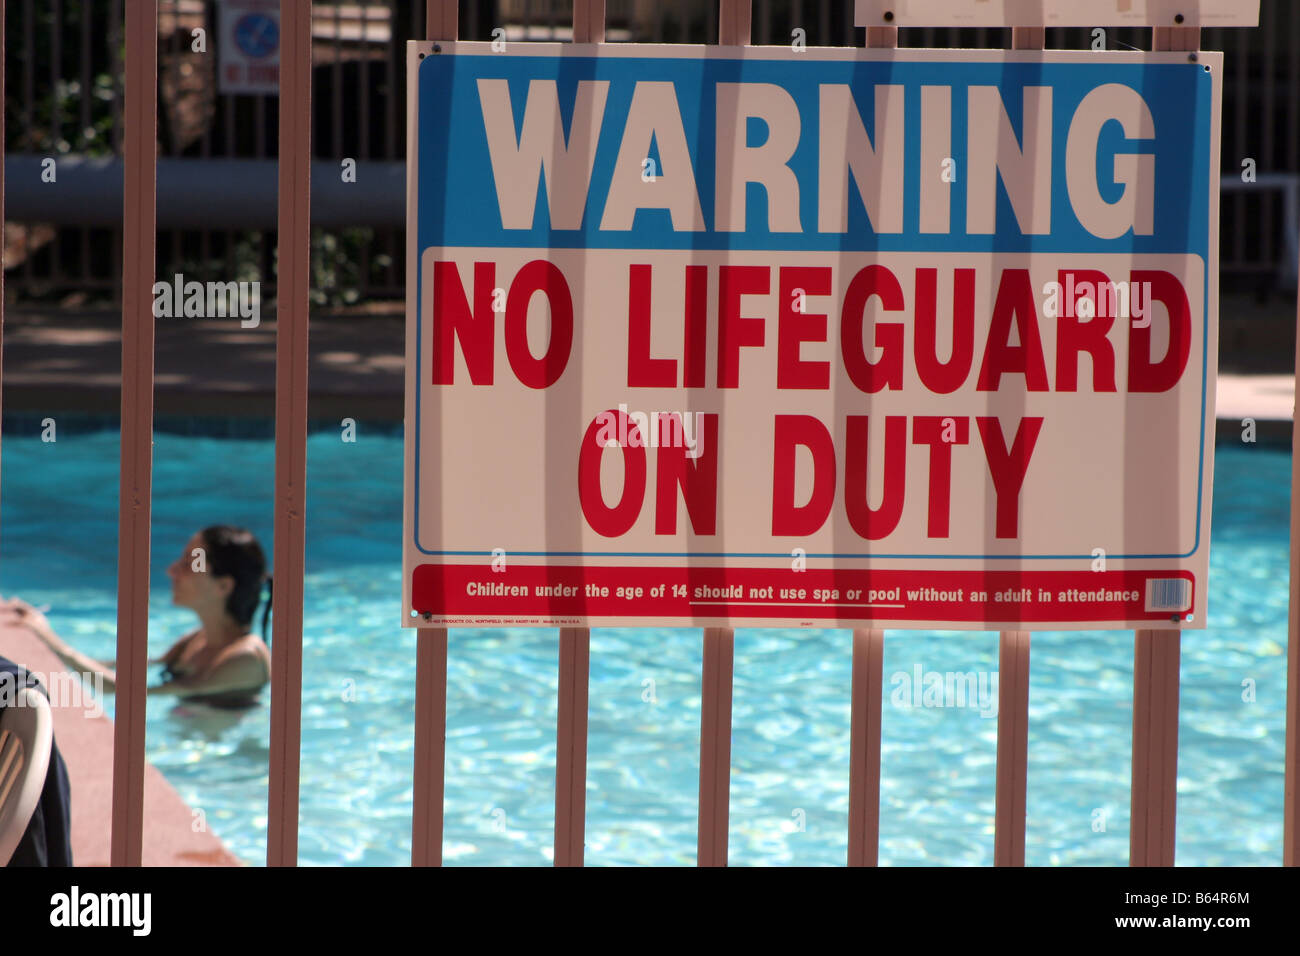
[84, 736]
[70, 362]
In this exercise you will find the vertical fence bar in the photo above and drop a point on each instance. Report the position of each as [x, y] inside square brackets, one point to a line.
[336, 94]
[29, 76]
[205, 150]
[715, 746]
[173, 144]
[2, 214]
[1155, 748]
[1244, 147]
[735, 18]
[571, 746]
[363, 127]
[430, 745]
[431, 642]
[259, 125]
[1013, 680]
[138, 220]
[231, 147]
[396, 69]
[1268, 253]
[1292, 93]
[1291, 797]
[1013, 748]
[867, 690]
[115, 23]
[28, 123]
[588, 21]
[293, 239]
[864, 745]
[735, 22]
[440, 19]
[575, 642]
[85, 276]
[1155, 682]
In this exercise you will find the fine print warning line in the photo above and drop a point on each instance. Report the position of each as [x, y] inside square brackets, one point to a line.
[725, 604]
[464, 594]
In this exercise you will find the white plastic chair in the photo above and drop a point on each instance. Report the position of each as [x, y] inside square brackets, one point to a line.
[26, 736]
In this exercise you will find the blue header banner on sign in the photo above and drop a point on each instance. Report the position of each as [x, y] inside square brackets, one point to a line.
[458, 200]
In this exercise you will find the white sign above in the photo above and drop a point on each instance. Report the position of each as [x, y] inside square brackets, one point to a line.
[1057, 13]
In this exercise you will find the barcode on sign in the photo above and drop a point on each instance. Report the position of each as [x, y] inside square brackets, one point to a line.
[1169, 594]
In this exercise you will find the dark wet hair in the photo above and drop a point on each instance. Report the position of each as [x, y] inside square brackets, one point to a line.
[234, 552]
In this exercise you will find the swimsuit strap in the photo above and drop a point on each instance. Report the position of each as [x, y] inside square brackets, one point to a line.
[168, 674]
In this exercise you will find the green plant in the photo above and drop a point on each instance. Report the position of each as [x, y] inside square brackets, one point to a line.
[336, 265]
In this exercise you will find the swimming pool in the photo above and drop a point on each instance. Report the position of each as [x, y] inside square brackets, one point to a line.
[790, 751]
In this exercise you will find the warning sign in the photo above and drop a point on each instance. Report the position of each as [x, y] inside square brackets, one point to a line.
[700, 336]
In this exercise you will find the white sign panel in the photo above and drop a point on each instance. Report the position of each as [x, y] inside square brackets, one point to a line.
[828, 338]
[1057, 13]
[248, 46]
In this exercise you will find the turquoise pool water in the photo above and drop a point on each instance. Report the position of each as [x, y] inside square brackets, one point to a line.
[790, 752]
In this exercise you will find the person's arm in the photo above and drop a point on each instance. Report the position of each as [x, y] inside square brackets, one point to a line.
[21, 613]
[78, 662]
[24, 614]
[241, 673]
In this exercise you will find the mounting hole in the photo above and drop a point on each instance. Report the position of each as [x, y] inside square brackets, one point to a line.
[421, 56]
[1207, 68]
[414, 613]
[1178, 18]
[437, 48]
[889, 16]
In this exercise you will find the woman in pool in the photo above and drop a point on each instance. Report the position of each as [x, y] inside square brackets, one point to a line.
[222, 664]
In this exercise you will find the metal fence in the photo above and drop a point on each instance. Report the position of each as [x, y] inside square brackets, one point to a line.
[306, 121]
[67, 76]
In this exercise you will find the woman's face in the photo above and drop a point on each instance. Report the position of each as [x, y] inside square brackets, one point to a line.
[193, 583]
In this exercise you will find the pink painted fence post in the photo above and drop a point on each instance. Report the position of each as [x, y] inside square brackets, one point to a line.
[867, 694]
[734, 29]
[134, 502]
[429, 779]
[1155, 680]
[1291, 798]
[2, 200]
[293, 238]
[1013, 680]
[575, 642]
